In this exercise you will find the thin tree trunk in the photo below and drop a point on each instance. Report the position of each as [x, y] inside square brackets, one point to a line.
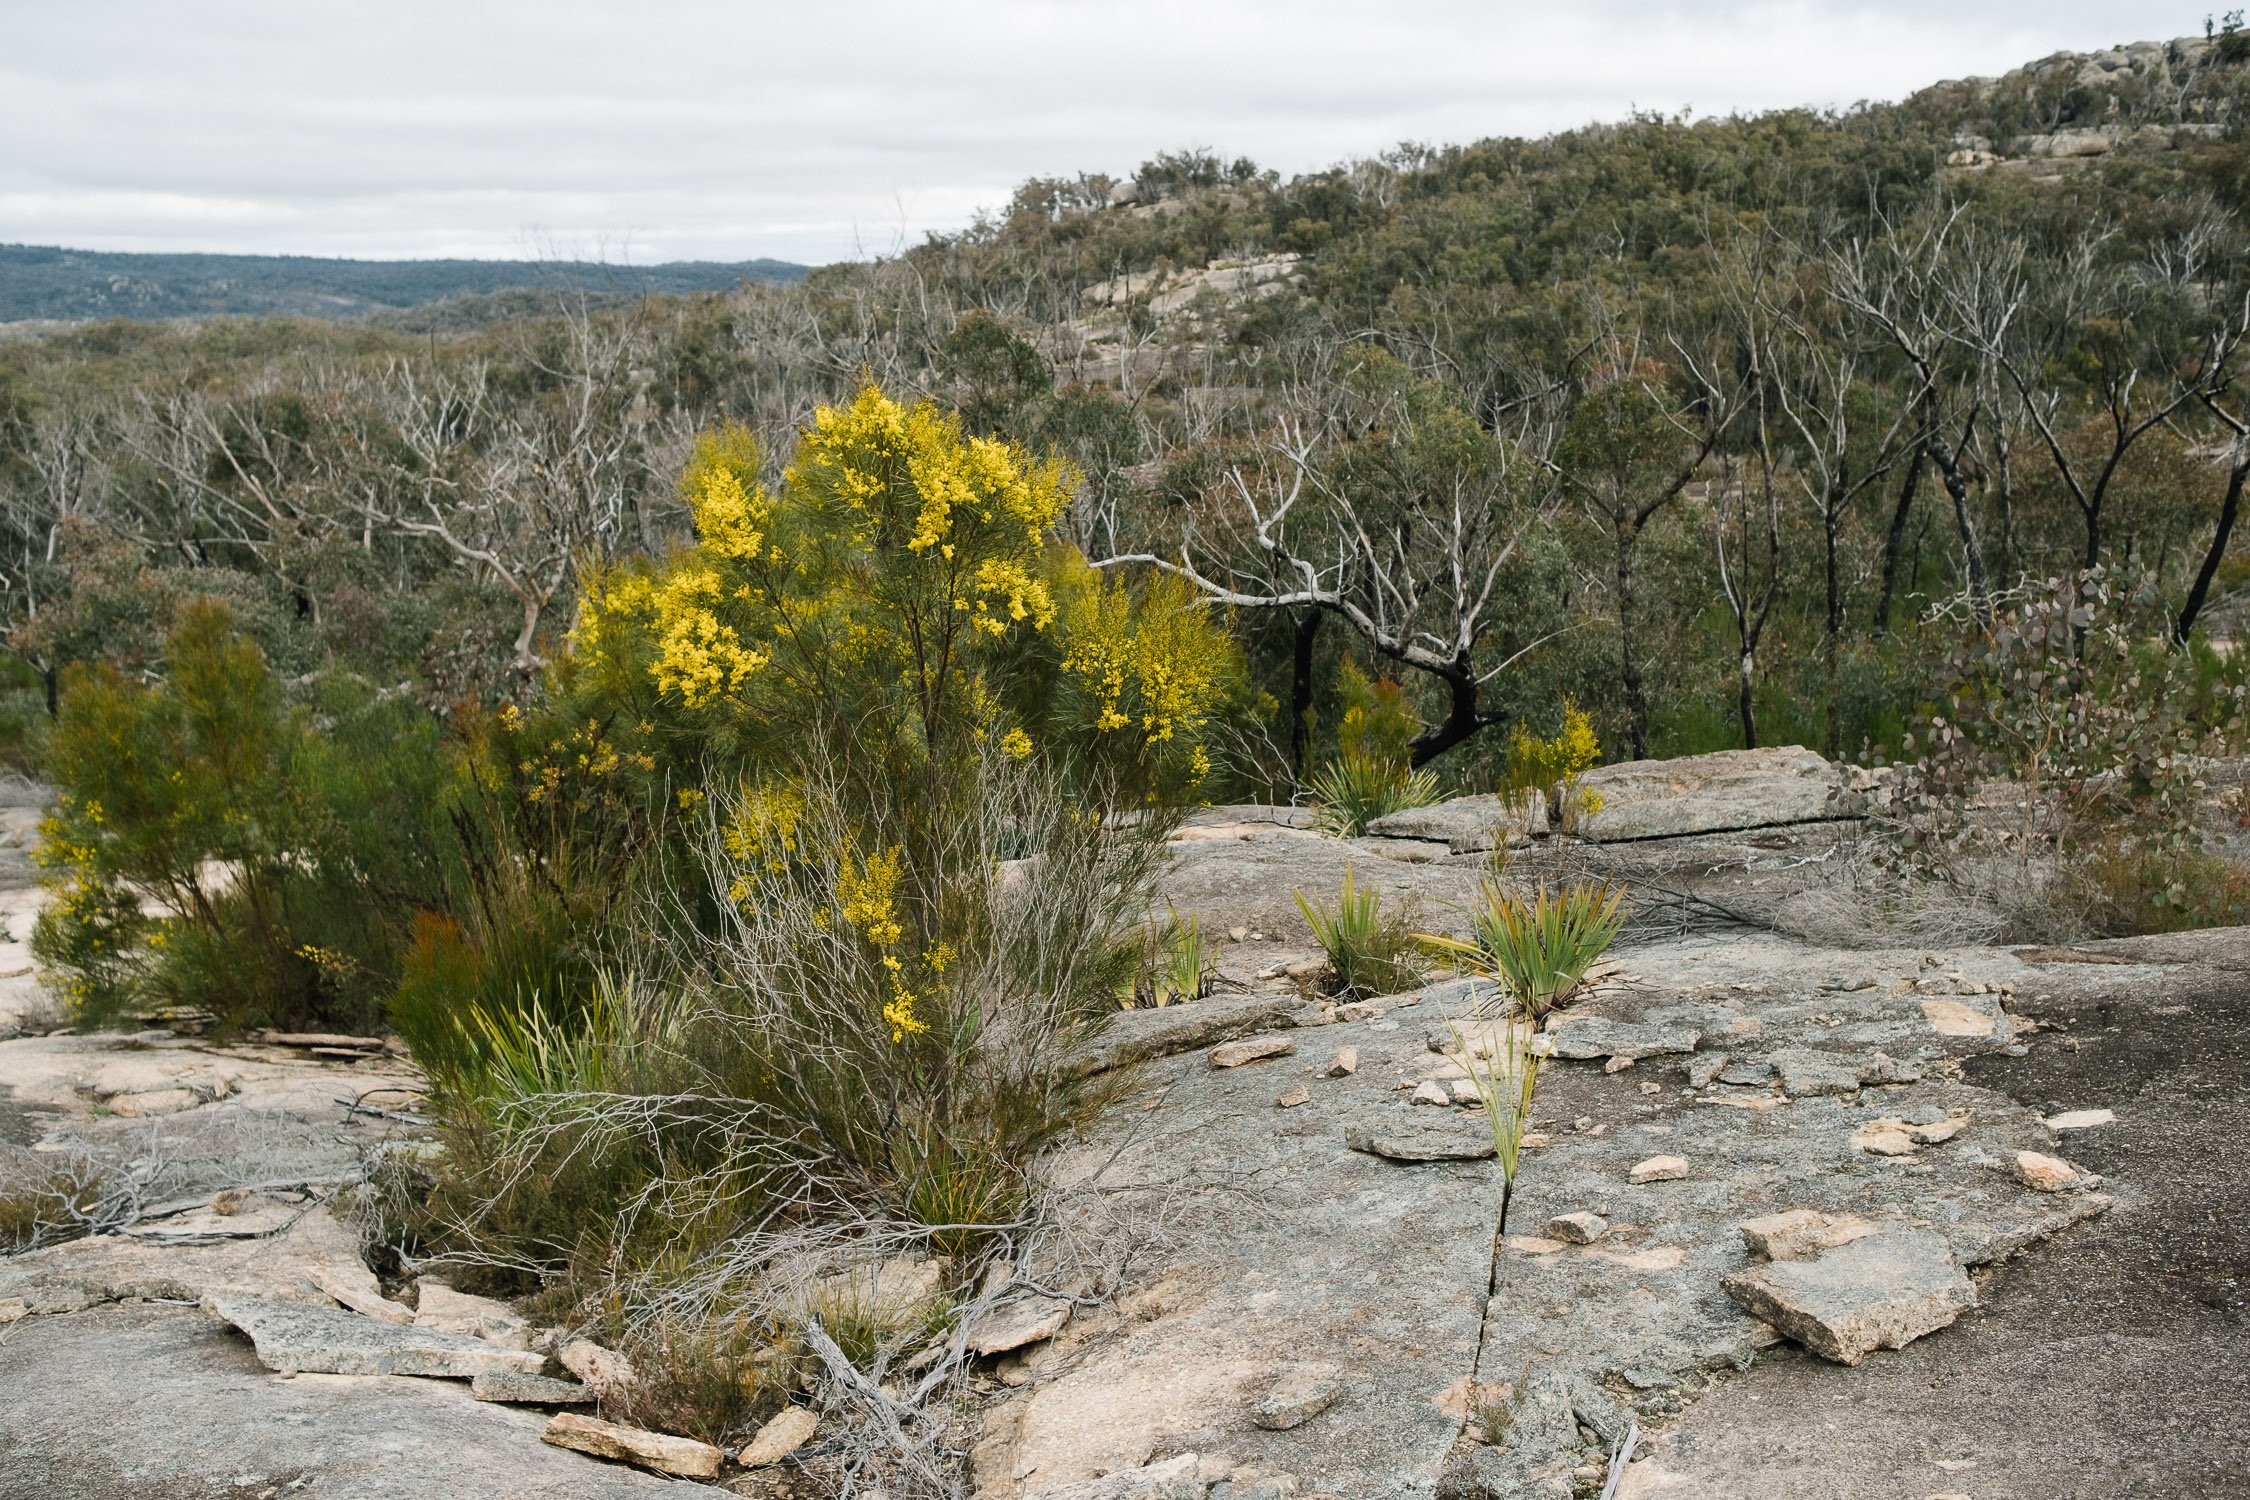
[1301, 688]
[1636, 695]
[1832, 623]
[2228, 509]
[1895, 542]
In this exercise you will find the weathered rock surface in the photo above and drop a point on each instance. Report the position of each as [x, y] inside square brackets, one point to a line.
[1250, 1050]
[654, 1450]
[300, 1261]
[297, 1337]
[137, 1402]
[1722, 791]
[1881, 1291]
[1416, 1141]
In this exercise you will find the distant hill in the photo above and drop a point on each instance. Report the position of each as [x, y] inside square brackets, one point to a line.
[46, 282]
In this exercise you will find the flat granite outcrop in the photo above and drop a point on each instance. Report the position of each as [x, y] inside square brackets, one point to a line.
[1296, 1250]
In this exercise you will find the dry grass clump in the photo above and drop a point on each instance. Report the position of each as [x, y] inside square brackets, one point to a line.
[803, 1126]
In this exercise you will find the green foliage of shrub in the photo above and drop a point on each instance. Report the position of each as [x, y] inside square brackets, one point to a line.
[217, 846]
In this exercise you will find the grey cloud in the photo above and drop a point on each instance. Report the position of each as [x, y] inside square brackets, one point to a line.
[734, 128]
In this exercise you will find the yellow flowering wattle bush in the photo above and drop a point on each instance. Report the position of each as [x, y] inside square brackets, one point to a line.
[901, 604]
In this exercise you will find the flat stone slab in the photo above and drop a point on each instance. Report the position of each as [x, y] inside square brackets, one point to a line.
[660, 1451]
[1467, 825]
[1145, 1035]
[1721, 792]
[1028, 1320]
[1585, 1038]
[298, 1338]
[1415, 1141]
[1288, 1251]
[1882, 1291]
[529, 1390]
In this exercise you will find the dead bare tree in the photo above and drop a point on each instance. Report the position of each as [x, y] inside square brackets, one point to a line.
[1408, 549]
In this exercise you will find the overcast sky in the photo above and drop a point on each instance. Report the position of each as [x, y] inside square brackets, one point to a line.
[730, 129]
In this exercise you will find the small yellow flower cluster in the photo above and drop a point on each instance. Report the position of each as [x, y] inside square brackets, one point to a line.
[868, 891]
[764, 826]
[1146, 666]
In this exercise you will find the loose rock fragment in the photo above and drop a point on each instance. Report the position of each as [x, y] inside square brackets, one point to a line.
[1802, 1233]
[1298, 1396]
[1578, 1228]
[1294, 1097]
[2081, 1119]
[1249, 1050]
[1428, 1091]
[604, 1369]
[1807, 1072]
[1012, 1326]
[1659, 1169]
[782, 1436]
[519, 1389]
[1345, 1063]
[1432, 1141]
[2047, 1174]
[356, 1288]
[655, 1450]
[1362, 1010]
[1879, 1292]
[479, 1317]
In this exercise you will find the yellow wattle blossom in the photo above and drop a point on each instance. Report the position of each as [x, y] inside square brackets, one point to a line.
[1016, 743]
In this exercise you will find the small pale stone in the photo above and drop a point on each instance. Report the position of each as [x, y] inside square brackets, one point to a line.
[1249, 1050]
[1296, 1398]
[2081, 1119]
[1305, 968]
[655, 1450]
[356, 1288]
[1294, 1097]
[784, 1435]
[1617, 1064]
[1344, 1063]
[1430, 1092]
[529, 1390]
[1881, 1141]
[1239, 934]
[1953, 1018]
[1464, 1091]
[1577, 1229]
[2044, 1173]
[1659, 1169]
[1362, 1010]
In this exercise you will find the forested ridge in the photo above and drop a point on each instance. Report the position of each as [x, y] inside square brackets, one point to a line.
[1719, 427]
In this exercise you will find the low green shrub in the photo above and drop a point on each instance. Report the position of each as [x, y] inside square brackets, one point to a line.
[218, 846]
[1369, 952]
[1539, 950]
[1353, 790]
